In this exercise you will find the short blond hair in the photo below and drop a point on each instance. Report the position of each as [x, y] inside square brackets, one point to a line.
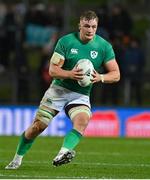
[88, 15]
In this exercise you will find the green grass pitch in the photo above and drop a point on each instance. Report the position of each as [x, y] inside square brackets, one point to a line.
[96, 158]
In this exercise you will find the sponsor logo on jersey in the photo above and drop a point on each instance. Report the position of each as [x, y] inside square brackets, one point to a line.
[93, 54]
[74, 51]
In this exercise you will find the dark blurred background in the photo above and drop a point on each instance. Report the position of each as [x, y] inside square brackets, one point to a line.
[29, 31]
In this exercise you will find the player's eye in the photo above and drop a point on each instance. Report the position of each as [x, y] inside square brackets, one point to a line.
[87, 26]
[94, 27]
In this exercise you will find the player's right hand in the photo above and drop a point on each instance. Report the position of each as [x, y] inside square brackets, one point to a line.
[76, 74]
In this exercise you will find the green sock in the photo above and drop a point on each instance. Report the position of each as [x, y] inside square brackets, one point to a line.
[24, 145]
[72, 139]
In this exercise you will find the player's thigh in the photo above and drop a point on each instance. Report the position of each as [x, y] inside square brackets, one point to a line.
[45, 114]
[78, 113]
[52, 102]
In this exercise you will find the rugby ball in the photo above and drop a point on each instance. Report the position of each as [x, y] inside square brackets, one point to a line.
[87, 67]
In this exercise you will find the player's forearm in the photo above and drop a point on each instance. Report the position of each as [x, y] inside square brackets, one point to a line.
[110, 77]
[58, 72]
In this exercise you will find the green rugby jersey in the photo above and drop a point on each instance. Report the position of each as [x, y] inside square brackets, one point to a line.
[98, 51]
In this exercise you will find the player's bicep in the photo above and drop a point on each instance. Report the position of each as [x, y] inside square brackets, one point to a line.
[56, 62]
[111, 65]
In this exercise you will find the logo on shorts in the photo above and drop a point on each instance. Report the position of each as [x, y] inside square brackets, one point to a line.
[49, 101]
[93, 54]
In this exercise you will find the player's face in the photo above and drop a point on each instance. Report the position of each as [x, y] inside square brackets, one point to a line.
[87, 29]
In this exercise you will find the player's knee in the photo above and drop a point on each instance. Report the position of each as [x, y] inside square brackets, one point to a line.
[80, 123]
[81, 120]
[36, 128]
[44, 115]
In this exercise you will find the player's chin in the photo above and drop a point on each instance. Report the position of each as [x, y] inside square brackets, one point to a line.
[89, 37]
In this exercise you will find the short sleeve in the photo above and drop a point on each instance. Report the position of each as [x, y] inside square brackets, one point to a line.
[109, 53]
[60, 48]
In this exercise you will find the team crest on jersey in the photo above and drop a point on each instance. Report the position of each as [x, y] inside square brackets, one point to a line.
[93, 54]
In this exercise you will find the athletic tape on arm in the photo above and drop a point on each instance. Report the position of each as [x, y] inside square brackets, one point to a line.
[55, 59]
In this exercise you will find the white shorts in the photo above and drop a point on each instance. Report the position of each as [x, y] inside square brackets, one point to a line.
[57, 98]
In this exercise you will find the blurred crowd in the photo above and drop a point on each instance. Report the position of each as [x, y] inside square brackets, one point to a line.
[116, 25]
[25, 29]
[37, 27]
